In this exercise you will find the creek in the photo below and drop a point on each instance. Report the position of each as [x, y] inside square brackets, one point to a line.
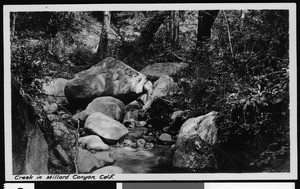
[140, 160]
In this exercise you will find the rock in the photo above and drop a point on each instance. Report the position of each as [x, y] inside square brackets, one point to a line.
[93, 142]
[129, 116]
[109, 170]
[62, 155]
[194, 153]
[105, 126]
[142, 123]
[106, 157]
[133, 123]
[132, 111]
[80, 117]
[166, 129]
[208, 129]
[56, 88]
[173, 147]
[205, 126]
[86, 161]
[164, 86]
[134, 145]
[136, 133]
[165, 137]
[110, 77]
[194, 141]
[176, 114]
[30, 151]
[149, 145]
[134, 105]
[100, 146]
[144, 98]
[109, 106]
[54, 161]
[141, 143]
[154, 71]
[127, 142]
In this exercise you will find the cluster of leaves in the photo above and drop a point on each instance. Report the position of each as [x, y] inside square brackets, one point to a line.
[249, 85]
[28, 63]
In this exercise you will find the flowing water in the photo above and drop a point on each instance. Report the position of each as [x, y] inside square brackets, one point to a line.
[135, 160]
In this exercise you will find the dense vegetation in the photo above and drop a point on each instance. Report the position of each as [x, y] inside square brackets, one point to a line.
[241, 70]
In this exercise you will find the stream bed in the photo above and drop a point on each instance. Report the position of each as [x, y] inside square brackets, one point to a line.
[136, 160]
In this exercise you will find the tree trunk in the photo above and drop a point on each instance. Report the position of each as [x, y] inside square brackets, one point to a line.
[205, 22]
[133, 53]
[13, 24]
[175, 29]
[102, 51]
[147, 34]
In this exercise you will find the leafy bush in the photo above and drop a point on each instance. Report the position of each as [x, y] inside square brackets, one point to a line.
[251, 90]
[28, 63]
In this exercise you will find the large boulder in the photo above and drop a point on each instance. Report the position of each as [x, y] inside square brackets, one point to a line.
[109, 106]
[164, 86]
[193, 153]
[56, 89]
[86, 161]
[205, 126]
[29, 147]
[193, 148]
[154, 71]
[110, 77]
[105, 126]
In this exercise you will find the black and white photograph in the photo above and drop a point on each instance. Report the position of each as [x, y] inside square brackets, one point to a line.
[150, 92]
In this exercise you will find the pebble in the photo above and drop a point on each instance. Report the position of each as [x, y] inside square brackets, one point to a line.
[141, 143]
[166, 129]
[173, 147]
[142, 123]
[149, 145]
[165, 137]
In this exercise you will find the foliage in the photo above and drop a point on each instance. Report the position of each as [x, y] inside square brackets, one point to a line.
[44, 41]
[250, 87]
[28, 63]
